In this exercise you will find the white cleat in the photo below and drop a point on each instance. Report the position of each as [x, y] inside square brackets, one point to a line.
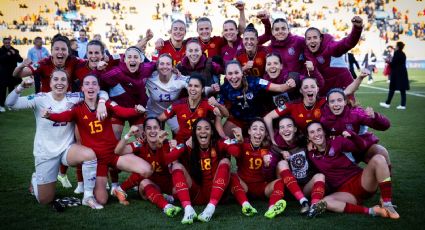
[79, 189]
[207, 214]
[92, 203]
[64, 181]
[189, 215]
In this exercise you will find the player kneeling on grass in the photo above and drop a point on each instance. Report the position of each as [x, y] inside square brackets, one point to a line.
[99, 136]
[249, 178]
[203, 174]
[153, 148]
[349, 183]
[54, 141]
[289, 161]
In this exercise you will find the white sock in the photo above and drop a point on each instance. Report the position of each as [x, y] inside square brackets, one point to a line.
[34, 185]
[302, 200]
[114, 184]
[210, 208]
[167, 207]
[246, 203]
[189, 208]
[80, 184]
[89, 177]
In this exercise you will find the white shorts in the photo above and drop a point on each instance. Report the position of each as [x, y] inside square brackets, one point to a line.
[47, 169]
[173, 123]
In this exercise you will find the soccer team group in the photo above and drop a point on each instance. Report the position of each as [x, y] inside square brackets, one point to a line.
[285, 112]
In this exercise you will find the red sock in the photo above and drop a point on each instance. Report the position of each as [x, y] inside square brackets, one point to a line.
[292, 184]
[79, 173]
[386, 191]
[277, 193]
[155, 196]
[318, 191]
[113, 173]
[63, 169]
[181, 187]
[133, 180]
[353, 208]
[237, 189]
[220, 182]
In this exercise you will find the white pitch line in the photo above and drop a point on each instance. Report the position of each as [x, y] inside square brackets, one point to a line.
[386, 90]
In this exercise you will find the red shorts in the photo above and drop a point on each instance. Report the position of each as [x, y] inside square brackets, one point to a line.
[200, 195]
[133, 121]
[164, 182]
[257, 189]
[354, 187]
[104, 161]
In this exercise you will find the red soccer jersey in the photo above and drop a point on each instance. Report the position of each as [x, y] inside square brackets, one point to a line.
[213, 46]
[176, 54]
[250, 162]
[258, 68]
[209, 159]
[95, 134]
[155, 158]
[45, 67]
[83, 68]
[186, 117]
[300, 113]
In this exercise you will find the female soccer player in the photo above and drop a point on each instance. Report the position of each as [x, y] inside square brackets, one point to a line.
[290, 47]
[252, 56]
[290, 161]
[339, 115]
[308, 108]
[99, 135]
[153, 148]
[275, 74]
[60, 59]
[127, 83]
[164, 88]
[203, 174]
[54, 141]
[189, 109]
[326, 55]
[240, 94]
[176, 45]
[249, 178]
[197, 62]
[349, 183]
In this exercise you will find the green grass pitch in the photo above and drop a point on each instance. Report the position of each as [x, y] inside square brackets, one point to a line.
[404, 140]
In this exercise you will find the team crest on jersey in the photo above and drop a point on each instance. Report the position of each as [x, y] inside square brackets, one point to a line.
[212, 45]
[258, 61]
[250, 96]
[264, 152]
[247, 153]
[169, 109]
[213, 153]
[183, 116]
[113, 103]
[320, 59]
[317, 113]
[291, 51]
[200, 113]
[349, 127]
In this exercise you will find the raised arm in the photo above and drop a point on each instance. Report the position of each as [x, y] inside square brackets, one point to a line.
[264, 16]
[341, 47]
[354, 86]
[23, 70]
[242, 19]
[268, 119]
[14, 101]
[123, 147]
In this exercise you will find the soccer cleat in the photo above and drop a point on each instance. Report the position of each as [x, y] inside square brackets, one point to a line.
[64, 181]
[172, 210]
[58, 205]
[276, 209]
[120, 195]
[391, 212]
[385, 105]
[317, 209]
[92, 203]
[71, 201]
[207, 214]
[2, 109]
[401, 107]
[305, 207]
[189, 215]
[79, 189]
[248, 210]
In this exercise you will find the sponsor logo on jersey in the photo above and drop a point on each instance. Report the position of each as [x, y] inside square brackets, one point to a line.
[291, 51]
[300, 115]
[85, 117]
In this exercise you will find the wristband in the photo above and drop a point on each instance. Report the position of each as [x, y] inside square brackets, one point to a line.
[102, 100]
[126, 137]
[19, 88]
